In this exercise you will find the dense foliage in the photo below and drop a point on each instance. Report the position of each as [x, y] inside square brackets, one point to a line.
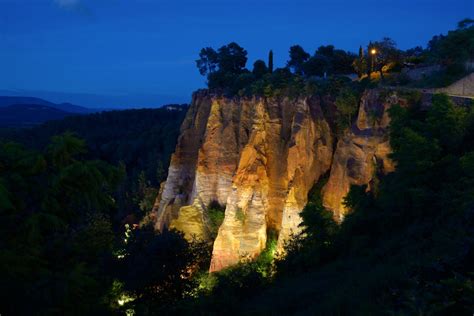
[59, 251]
[454, 48]
[226, 73]
[139, 141]
[56, 233]
[215, 214]
[157, 270]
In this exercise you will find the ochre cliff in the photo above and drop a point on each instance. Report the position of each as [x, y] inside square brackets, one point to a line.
[260, 157]
[361, 152]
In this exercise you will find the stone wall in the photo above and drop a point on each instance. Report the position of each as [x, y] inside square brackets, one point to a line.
[462, 87]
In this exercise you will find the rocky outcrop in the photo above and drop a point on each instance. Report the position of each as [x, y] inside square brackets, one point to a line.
[288, 149]
[178, 188]
[260, 157]
[361, 153]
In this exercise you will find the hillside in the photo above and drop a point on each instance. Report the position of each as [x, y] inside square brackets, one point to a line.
[7, 100]
[27, 115]
[142, 140]
[29, 111]
[66, 107]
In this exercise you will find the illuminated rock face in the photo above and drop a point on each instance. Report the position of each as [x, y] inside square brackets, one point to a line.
[361, 152]
[260, 157]
[289, 147]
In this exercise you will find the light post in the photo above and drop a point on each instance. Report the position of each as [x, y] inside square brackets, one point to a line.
[373, 52]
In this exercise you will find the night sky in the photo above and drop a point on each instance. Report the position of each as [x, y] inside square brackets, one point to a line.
[126, 53]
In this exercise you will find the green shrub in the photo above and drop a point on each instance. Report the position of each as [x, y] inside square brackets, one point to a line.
[216, 214]
[347, 104]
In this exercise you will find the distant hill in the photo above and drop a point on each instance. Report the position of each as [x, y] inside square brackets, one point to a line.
[66, 107]
[30, 111]
[28, 115]
[7, 100]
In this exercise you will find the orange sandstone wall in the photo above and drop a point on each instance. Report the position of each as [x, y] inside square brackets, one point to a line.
[260, 157]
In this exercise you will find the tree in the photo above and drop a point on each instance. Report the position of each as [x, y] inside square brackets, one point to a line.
[347, 105]
[327, 60]
[64, 149]
[55, 231]
[342, 62]
[454, 48]
[270, 61]
[360, 63]
[223, 67]
[317, 65]
[386, 52]
[207, 62]
[466, 23]
[297, 59]
[415, 55]
[157, 268]
[370, 59]
[232, 58]
[259, 69]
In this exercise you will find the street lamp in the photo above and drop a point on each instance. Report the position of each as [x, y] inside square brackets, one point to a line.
[373, 52]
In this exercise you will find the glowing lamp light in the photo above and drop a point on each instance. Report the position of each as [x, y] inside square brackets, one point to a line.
[373, 51]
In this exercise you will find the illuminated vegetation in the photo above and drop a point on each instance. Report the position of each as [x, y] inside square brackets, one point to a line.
[216, 214]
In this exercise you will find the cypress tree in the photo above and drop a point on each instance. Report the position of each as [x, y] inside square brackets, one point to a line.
[369, 59]
[270, 61]
[360, 64]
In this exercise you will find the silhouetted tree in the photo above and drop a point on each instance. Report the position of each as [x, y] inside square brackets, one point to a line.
[316, 66]
[360, 63]
[386, 52]
[231, 58]
[208, 61]
[223, 67]
[157, 268]
[270, 61]
[298, 57]
[370, 59]
[259, 69]
[454, 48]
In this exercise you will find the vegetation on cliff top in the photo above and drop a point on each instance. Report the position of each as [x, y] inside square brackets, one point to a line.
[226, 72]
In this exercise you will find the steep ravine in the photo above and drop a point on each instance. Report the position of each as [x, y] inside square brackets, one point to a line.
[260, 157]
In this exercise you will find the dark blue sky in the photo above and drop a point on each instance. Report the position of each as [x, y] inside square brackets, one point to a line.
[142, 52]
